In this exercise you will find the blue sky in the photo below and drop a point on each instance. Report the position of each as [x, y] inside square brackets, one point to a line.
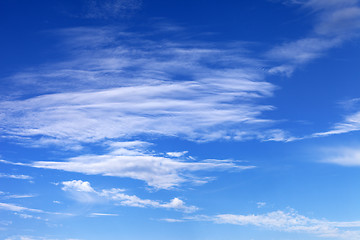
[137, 119]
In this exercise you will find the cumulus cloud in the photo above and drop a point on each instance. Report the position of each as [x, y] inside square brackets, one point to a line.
[77, 185]
[119, 197]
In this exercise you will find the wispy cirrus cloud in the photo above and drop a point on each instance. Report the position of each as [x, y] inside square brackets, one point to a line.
[133, 160]
[335, 22]
[22, 211]
[78, 188]
[287, 221]
[122, 84]
[349, 124]
[17, 208]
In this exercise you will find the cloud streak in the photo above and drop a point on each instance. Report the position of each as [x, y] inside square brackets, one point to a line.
[288, 221]
[336, 22]
[78, 188]
[133, 160]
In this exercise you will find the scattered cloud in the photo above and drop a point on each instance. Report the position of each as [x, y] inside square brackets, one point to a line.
[261, 204]
[16, 208]
[104, 214]
[289, 221]
[22, 211]
[78, 186]
[171, 220]
[19, 196]
[24, 177]
[28, 216]
[176, 154]
[119, 197]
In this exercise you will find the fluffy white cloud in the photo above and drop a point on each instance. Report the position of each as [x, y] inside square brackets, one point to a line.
[77, 185]
[119, 197]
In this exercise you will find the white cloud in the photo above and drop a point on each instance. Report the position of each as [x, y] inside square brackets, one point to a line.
[104, 214]
[176, 154]
[345, 156]
[289, 221]
[124, 160]
[119, 197]
[16, 208]
[20, 196]
[28, 216]
[172, 220]
[24, 177]
[351, 123]
[77, 185]
[21, 211]
[336, 21]
[261, 204]
[134, 86]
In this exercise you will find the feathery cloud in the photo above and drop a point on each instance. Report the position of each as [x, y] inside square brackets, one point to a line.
[288, 221]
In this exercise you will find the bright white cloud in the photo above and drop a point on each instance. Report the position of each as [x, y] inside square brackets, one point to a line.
[119, 197]
[77, 185]
[124, 160]
[104, 214]
[176, 154]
